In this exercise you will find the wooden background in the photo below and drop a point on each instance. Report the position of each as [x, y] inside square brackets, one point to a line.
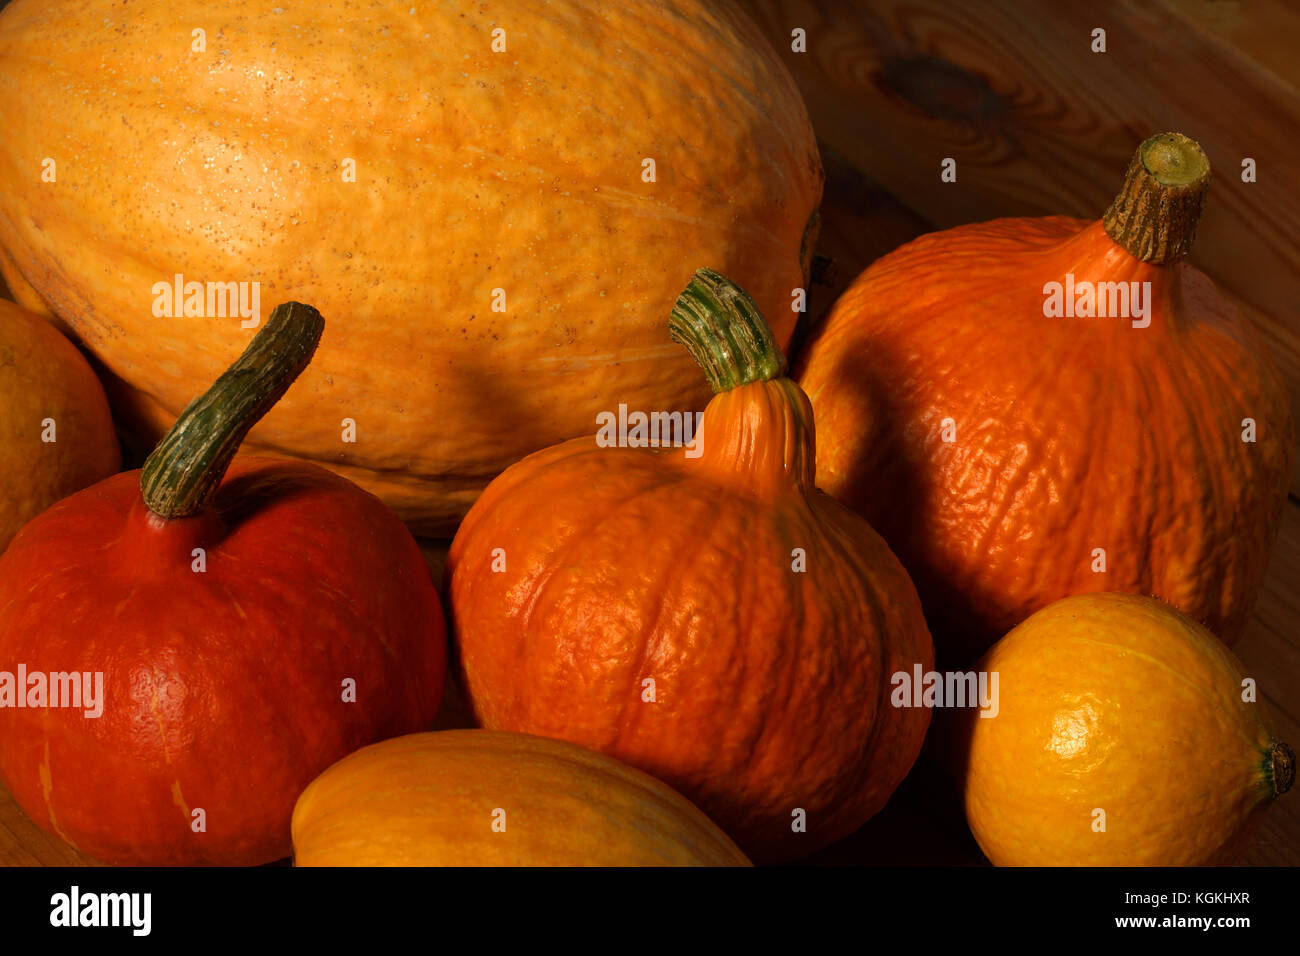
[1038, 124]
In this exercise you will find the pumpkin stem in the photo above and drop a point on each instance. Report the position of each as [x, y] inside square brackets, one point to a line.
[725, 333]
[185, 469]
[1154, 216]
[1283, 767]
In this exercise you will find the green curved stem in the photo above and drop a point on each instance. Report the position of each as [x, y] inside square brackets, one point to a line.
[185, 469]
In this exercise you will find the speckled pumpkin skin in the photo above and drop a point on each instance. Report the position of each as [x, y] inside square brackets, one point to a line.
[622, 565]
[475, 171]
[42, 375]
[484, 798]
[1071, 434]
[1114, 702]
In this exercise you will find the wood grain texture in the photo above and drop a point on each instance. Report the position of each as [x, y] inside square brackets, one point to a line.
[23, 843]
[1039, 124]
[1263, 31]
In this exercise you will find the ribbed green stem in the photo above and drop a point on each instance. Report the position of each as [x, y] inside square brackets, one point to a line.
[184, 471]
[1154, 216]
[725, 333]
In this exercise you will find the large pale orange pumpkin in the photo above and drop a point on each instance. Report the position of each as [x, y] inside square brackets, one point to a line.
[486, 227]
[704, 614]
[483, 798]
[56, 434]
[1011, 457]
[1124, 735]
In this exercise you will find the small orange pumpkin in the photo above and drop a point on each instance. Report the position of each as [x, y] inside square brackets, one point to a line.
[482, 798]
[704, 614]
[56, 433]
[1011, 457]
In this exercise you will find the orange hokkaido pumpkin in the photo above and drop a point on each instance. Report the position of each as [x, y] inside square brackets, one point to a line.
[702, 613]
[56, 433]
[482, 798]
[1012, 455]
[1122, 737]
[185, 647]
[499, 205]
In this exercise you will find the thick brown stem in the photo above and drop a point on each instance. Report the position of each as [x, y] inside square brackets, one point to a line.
[1154, 216]
[1283, 766]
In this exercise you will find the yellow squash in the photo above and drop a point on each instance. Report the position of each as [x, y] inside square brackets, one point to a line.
[1125, 735]
[488, 798]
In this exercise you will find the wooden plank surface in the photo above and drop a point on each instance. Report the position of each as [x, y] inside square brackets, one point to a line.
[23, 843]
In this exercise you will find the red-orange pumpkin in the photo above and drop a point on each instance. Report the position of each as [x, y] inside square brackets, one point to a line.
[702, 613]
[1012, 457]
[230, 621]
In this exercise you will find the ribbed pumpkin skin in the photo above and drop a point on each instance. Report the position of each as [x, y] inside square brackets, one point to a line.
[1114, 702]
[42, 375]
[223, 690]
[432, 800]
[771, 686]
[475, 171]
[1071, 433]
